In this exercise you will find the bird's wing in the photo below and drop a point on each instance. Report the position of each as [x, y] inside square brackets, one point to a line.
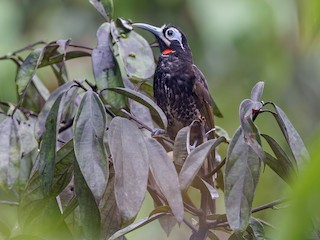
[216, 110]
[203, 98]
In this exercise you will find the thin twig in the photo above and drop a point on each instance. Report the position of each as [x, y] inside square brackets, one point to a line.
[7, 56]
[145, 126]
[9, 203]
[78, 46]
[269, 205]
[193, 229]
[80, 85]
[214, 171]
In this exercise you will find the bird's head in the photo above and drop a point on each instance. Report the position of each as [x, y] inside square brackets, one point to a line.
[170, 38]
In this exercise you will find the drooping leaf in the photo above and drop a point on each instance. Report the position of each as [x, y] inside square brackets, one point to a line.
[180, 150]
[130, 158]
[9, 152]
[201, 184]
[42, 117]
[168, 221]
[220, 132]
[165, 176]
[34, 204]
[195, 160]
[29, 149]
[284, 161]
[104, 7]
[89, 211]
[47, 153]
[135, 54]
[105, 68]
[70, 102]
[274, 164]
[142, 113]
[155, 110]
[212, 236]
[241, 177]
[256, 229]
[138, 224]
[42, 89]
[257, 91]
[293, 138]
[33, 100]
[110, 216]
[250, 131]
[88, 129]
[27, 70]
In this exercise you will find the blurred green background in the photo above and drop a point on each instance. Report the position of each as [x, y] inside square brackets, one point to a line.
[234, 43]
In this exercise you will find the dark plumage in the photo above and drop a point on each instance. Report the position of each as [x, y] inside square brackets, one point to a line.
[180, 88]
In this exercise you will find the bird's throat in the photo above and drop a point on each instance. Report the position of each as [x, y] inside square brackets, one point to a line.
[167, 51]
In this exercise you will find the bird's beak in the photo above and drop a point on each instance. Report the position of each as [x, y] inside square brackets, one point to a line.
[158, 32]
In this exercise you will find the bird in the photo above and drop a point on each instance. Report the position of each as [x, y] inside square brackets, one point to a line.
[180, 88]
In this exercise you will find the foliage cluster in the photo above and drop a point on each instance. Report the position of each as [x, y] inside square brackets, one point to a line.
[80, 160]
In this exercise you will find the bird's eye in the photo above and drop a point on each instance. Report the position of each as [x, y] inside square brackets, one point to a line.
[169, 33]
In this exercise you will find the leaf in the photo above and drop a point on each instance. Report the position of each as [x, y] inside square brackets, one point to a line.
[165, 176]
[27, 70]
[110, 216]
[138, 224]
[250, 131]
[293, 138]
[284, 161]
[9, 152]
[47, 153]
[42, 89]
[180, 151]
[220, 132]
[212, 236]
[34, 205]
[142, 113]
[104, 7]
[257, 91]
[202, 184]
[33, 100]
[88, 129]
[273, 163]
[135, 54]
[42, 117]
[89, 212]
[167, 222]
[29, 149]
[105, 68]
[256, 229]
[195, 160]
[155, 110]
[130, 158]
[242, 173]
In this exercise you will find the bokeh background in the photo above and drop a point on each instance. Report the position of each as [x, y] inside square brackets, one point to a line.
[234, 43]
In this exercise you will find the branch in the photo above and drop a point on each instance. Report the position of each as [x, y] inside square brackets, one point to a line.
[9, 203]
[214, 171]
[217, 223]
[145, 126]
[269, 205]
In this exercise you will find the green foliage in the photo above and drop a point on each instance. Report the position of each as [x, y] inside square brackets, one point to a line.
[97, 160]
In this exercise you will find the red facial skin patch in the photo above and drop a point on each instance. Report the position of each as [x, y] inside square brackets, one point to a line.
[167, 51]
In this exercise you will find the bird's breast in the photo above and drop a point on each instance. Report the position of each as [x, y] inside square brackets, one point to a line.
[173, 90]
